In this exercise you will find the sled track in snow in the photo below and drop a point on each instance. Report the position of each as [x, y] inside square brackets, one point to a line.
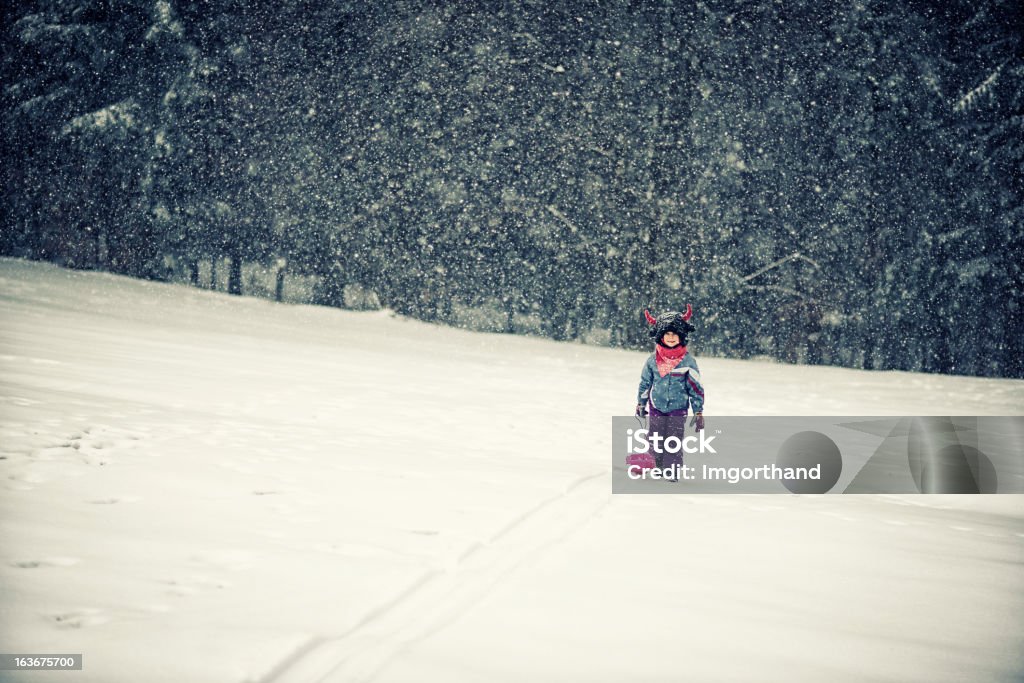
[440, 597]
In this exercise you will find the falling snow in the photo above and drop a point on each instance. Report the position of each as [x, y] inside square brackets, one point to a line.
[544, 168]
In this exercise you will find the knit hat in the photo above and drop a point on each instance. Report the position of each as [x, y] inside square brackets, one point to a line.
[670, 321]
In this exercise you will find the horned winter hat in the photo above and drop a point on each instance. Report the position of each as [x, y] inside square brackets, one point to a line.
[671, 321]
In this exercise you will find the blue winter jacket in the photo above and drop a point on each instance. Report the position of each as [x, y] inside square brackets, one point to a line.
[674, 391]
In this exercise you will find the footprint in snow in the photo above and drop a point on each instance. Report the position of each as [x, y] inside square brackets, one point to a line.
[45, 562]
[80, 618]
[115, 501]
[193, 585]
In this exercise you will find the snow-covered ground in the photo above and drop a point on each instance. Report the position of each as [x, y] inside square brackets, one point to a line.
[197, 487]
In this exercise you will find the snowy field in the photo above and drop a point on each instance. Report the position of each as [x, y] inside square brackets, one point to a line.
[197, 487]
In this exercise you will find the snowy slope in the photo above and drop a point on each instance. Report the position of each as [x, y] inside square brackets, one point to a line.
[206, 488]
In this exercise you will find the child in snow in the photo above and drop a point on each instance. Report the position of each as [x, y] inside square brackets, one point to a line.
[670, 381]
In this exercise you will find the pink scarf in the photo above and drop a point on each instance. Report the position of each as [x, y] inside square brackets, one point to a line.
[667, 359]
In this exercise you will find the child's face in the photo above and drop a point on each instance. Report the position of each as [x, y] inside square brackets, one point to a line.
[670, 339]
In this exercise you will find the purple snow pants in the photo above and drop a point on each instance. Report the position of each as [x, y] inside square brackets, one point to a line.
[667, 424]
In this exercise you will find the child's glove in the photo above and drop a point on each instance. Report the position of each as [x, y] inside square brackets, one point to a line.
[641, 410]
[698, 421]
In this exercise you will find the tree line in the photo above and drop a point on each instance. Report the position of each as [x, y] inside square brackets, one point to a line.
[825, 182]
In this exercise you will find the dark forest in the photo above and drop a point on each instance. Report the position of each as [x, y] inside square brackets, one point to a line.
[826, 182]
